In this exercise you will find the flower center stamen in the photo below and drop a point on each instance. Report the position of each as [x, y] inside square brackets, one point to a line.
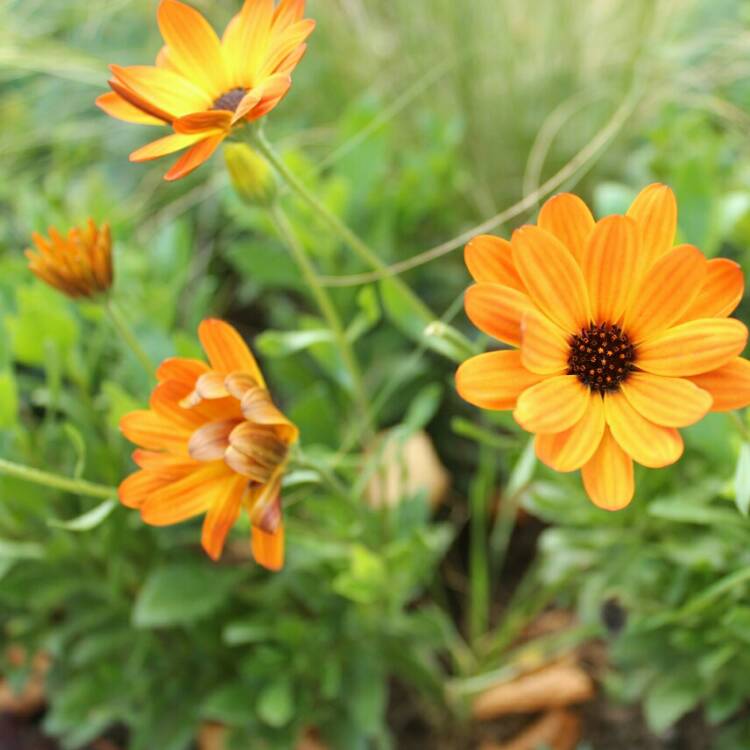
[601, 357]
[230, 100]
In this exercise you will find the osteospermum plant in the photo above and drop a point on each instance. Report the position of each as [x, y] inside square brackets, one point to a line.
[618, 337]
[204, 87]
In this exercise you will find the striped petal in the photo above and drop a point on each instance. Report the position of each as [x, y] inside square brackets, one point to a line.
[138, 487]
[572, 448]
[151, 430]
[552, 277]
[194, 48]
[692, 348]
[121, 109]
[246, 41]
[553, 405]
[645, 442]
[226, 350]
[729, 385]
[667, 291]
[655, 212]
[670, 402]
[197, 155]
[497, 311]
[223, 514]
[284, 44]
[721, 291]
[608, 475]
[288, 12]
[569, 219]
[268, 549]
[611, 264]
[490, 259]
[186, 371]
[544, 347]
[494, 380]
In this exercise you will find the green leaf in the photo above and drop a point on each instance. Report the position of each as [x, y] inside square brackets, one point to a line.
[87, 521]
[742, 480]
[669, 698]
[12, 550]
[275, 705]
[423, 407]
[365, 579]
[283, 343]
[79, 446]
[178, 594]
[8, 399]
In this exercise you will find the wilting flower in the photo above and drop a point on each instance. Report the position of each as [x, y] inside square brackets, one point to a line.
[203, 86]
[79, 265]
[619, 337]
[212, 442]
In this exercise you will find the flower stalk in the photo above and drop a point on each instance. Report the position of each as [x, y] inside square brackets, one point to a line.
[48, 479]
[126, 334]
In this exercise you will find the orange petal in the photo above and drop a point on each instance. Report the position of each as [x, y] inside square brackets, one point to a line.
[203, 122]
[288, 12]
[494, 380]
[165, 465]
[246, 40]
[223, 514]
[569, 219]
[187, 497]
[209, 442]
[610, 266]
[249, 102]
[226, 350]
[544, 347]
[670, 402]
[552, 277]
[166, 401]
[729, 385]
[497, 310]
[138, 487]
[721, 292]
[167, 145]
[608, 476]
[692, 348]
[268, 549]
[115, 106]
[194, 48]
[284, 44]
[655, 212]
[272, 91]
[666, 292]
[645, 442]
[193, 158]
[572, 448]
[150, 430]
[162, 88]
[553, 405]
[490, 259]
[258, 407]
[187, 371]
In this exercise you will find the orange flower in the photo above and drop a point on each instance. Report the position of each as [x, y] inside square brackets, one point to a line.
[79, 265]
[619, 338]
[212, 442]
[204, 86]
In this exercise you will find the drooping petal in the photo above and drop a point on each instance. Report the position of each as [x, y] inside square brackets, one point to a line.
[268, 549]
[194, 48]
[264, 504]
[494, 380]
[258, 407]
[121, 109]
[569, 219]
[552, 277]
[226, 350]
[611, 264]
[167, 145]
[608, 475]
[729, 385]
[246, 41]
[572, 448]
[222, 515]
[192, 159]
[721, 292]
[645, 442]
[553, 405]
[670, 402]
[655, 212]
[544, 347]
[692, 348]
[490, 259]
[188, 497]
[666, 292]
[497, 311]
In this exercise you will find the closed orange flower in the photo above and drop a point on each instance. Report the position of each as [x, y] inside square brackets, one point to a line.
[203, 86]
[619, 337]
[79, 265]
[212, 443]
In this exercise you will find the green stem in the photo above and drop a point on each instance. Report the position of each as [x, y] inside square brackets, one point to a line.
[739, 423]
[330, 219]
[328, 311]
[123, 329]
[75, 486]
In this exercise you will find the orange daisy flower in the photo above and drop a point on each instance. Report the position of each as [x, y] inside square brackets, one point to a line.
[79, 265]
[203, 86]
[619, 337]
[212, 442]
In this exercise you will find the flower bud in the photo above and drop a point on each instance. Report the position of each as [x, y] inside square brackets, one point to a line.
[251, 175]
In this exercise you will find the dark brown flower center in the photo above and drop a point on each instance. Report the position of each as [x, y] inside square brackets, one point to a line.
[601, 357]
[231, 100]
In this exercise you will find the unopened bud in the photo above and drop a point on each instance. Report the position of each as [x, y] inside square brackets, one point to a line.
[251, 175]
